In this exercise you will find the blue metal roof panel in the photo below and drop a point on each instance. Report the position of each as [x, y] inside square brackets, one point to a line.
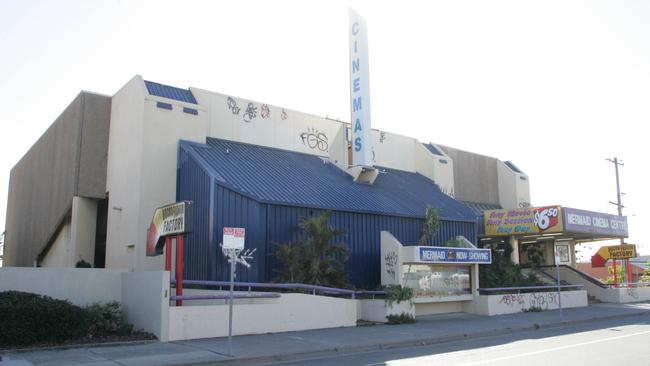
[170, 92]
[289, 178]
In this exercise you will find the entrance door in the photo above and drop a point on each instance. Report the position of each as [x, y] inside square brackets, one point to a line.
[562, 253]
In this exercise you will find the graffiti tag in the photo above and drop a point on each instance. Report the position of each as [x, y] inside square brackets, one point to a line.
[391, 263]
[232, 106]
[314, 139]
[265, 112]
[283, 115]
[250, 113]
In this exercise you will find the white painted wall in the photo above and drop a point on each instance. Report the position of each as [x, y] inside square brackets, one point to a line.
[280, 128]
[515, 303]
[79, 285]
[84, 226]
[378, 310]
[124, 170]
[291, 312]
[61, 252]
[439, 168]
[142, 154]
[514, 188]
[145, 301]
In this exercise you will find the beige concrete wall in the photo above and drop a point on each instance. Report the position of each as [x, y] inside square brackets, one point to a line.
[81, 286]
[145, 300]
[83, 228]
[291, 312]
[516, 303]
[475, 176]
[61, 251]
[514, 190]
[142, 155]
[432, 308]
[124, 170]
[67, 160]
[378, 310]
[281, 128]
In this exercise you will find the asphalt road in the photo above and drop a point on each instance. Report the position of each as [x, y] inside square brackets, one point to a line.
[608, 342]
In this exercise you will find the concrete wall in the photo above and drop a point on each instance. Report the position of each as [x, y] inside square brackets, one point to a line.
[79, 285]
[268, 125]
[290, 312]
[145, 300]
[475, 176]
[60, 252]
[514, 190]
[142, 155]
[378, 310]
[515, 303]
[66, 161]
[83, 228]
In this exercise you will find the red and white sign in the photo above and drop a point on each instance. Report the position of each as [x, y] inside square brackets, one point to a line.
[233, 237]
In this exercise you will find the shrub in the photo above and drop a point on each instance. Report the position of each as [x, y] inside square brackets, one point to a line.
[397, 293]
[314, 259]
[83, 264]
[107, 319]
[402, 318]
[30, 318]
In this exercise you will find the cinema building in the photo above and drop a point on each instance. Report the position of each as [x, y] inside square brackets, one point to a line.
[87, 189]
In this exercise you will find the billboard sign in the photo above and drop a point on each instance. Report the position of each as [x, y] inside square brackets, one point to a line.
[454, 255]
[581, 221]
[523, 221]
[606, 253]
[172, 219]
[233, 238]
[359, 92]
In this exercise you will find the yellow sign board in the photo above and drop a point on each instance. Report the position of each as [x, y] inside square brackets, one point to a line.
[604, 254]
[523, 221]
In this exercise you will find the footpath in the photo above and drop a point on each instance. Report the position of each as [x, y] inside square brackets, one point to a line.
[265, 348]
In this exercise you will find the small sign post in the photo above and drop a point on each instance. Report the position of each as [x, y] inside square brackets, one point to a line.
[233, 248]
[557, 271]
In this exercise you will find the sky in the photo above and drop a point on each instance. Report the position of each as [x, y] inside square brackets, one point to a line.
[554, 86]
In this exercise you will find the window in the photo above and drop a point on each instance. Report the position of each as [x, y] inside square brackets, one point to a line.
[429, 280]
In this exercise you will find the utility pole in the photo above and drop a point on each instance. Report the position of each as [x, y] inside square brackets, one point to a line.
[618, 188]
[619, 206]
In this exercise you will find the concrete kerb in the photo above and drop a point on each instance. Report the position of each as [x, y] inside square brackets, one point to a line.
[425, 341]
[79, 345]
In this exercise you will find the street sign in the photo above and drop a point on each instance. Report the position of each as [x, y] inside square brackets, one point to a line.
[169, 220]
[606, 253]
[233, 237]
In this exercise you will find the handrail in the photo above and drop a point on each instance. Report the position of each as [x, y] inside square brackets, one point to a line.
[527, 288]
[633, 284]
[587, 277]
[286, 286]
[225, 297]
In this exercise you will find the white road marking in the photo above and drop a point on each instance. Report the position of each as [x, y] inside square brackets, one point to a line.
[609, 339]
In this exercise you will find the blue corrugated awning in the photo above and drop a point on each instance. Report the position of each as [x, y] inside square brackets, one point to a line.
[275, 176]
[170, 92]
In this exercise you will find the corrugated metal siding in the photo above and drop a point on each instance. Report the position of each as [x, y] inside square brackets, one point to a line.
[362, 237]
[268, 225]
[170, 92]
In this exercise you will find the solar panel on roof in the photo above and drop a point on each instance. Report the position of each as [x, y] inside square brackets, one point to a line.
[170, 92]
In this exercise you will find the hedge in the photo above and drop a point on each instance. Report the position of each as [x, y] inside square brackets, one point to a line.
[29, 318]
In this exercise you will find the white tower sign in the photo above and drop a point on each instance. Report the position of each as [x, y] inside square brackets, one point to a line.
[360, 92]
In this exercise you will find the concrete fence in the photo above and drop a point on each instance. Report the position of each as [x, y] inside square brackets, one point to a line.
[516, 303]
